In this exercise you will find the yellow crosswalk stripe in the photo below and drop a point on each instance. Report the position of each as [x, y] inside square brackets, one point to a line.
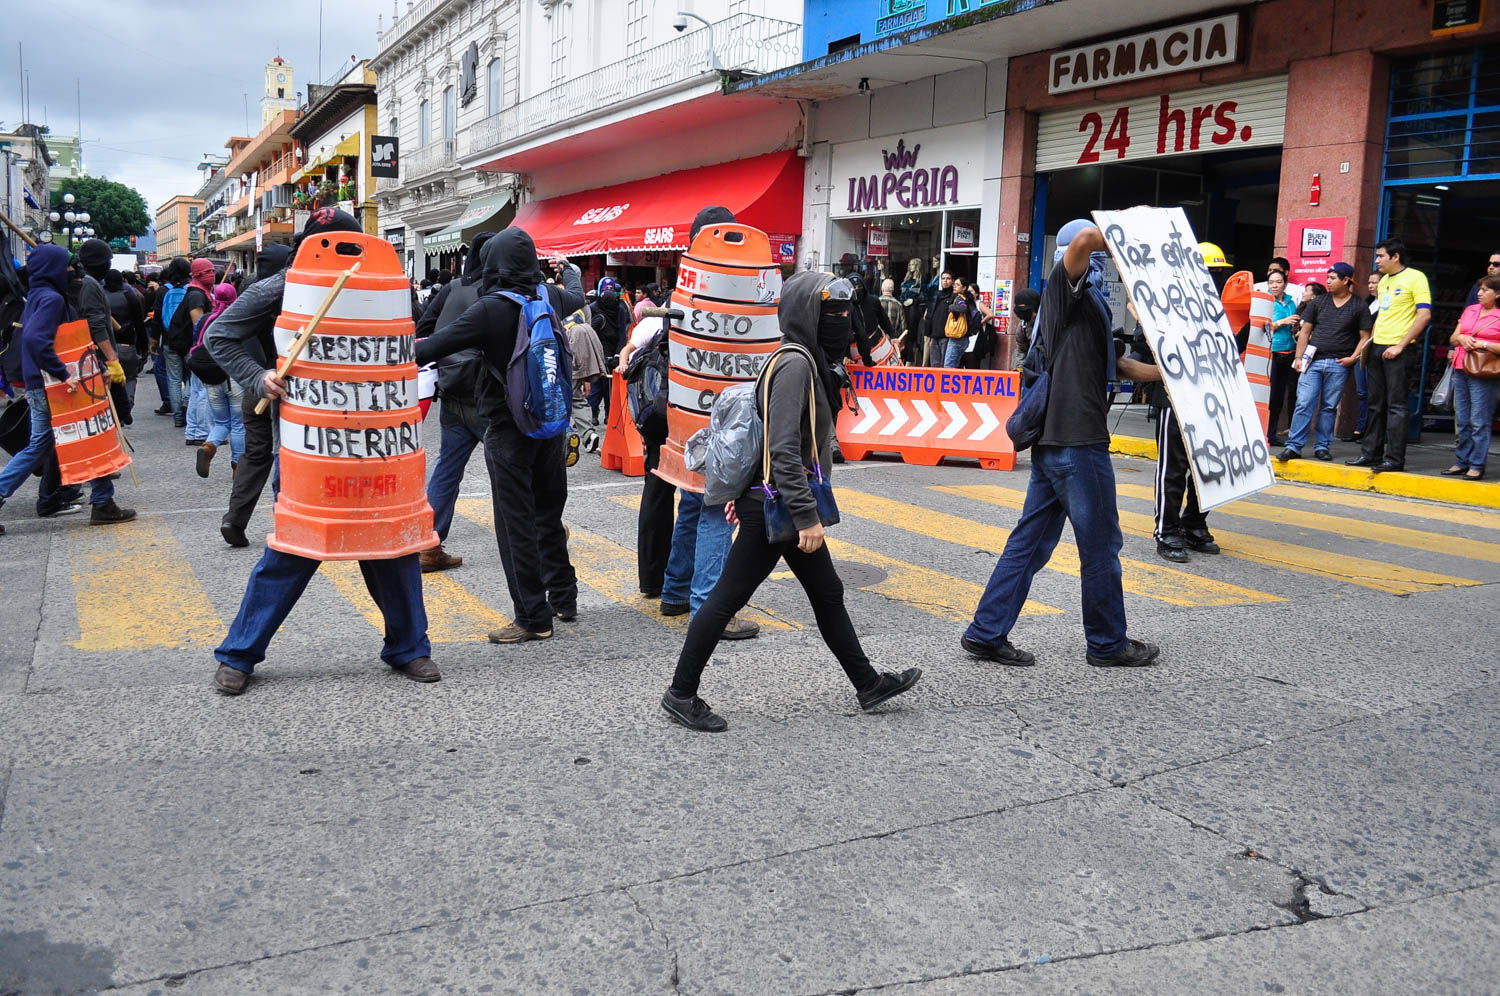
[109, 564]
[1378, 575]
[1164, 584]
[610, 569]
[1429, 511]
[454, 614]
[1351, 526]
[920, 587]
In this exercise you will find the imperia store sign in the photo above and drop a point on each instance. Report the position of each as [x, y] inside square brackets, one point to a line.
[921, 171]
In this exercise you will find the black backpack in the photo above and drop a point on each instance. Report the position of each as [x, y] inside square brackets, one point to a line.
[646, 388]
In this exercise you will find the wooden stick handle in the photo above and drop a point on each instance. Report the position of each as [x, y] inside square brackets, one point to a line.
[298, 344]
[12, 226]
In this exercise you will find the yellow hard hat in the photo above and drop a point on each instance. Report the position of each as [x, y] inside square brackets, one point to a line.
[1213, 256]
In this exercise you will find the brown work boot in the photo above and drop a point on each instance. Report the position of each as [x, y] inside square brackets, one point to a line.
[741, 629]
[205, 457]
[437, 559]
[516, 633]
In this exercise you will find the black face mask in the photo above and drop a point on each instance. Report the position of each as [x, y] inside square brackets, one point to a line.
[834, 334]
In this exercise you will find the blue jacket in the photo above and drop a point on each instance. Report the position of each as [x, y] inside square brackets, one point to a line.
[46, 309]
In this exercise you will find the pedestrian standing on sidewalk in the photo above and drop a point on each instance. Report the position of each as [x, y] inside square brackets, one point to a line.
[937, 319]
[1337, 326]
[279, 579]
[1405, 310]
[1474, 397]
[1072, 479]
[258, 340]
[1283, 328]
[798, 435]
[46, 309]
[528, 476]
[460, 426]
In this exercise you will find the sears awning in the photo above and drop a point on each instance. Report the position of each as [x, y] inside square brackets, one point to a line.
[462, 231]
[657, 213]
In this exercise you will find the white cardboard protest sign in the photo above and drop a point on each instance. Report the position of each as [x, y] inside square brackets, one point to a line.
[1184, 321]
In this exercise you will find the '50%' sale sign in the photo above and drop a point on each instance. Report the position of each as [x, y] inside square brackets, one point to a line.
[1191, 122]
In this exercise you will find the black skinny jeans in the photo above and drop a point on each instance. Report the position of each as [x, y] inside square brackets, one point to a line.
[256, 463]
[653, 526]
[751, 560]
[1283, 389]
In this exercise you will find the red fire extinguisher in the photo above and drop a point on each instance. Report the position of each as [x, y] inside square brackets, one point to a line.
[1316, 194]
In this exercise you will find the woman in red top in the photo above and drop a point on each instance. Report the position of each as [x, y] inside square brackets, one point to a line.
[1474, 397]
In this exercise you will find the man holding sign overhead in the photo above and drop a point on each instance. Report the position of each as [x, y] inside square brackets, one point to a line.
[1072, 479]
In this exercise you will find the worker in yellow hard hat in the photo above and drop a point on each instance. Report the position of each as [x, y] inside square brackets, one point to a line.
[1213, 256]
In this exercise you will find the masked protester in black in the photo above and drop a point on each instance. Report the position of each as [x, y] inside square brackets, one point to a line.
[528, 477]
[278, 580]
[807, 318]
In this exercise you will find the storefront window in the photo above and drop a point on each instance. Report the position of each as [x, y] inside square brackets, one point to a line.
[883, 246]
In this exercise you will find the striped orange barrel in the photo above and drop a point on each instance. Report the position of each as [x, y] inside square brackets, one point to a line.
[353, 471]
[83, 424]
[728, 288]
[884, 352]
[1241, 308]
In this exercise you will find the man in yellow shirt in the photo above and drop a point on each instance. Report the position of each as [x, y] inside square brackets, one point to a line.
[1405, 310]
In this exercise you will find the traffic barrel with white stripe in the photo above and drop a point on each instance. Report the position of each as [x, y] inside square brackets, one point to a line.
[727, 288]
[353, 471]
[1242, 307]
[884, 352]
[83, 423]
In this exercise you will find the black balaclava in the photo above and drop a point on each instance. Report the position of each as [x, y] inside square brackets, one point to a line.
[272, 260]
[95, 256]
[711, 215]
[1026, 303]
[325, 220]
[510, 263]
[114, 280]
[473, 261]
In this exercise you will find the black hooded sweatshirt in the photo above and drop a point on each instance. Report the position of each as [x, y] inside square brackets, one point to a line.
[458, 373]
[509, 264]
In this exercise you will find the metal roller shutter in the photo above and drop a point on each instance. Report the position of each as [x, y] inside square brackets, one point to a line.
[1189, 122]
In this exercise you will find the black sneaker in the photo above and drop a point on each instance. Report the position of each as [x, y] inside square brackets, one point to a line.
[675, 608]
[888, 686]
[1001, 653]
[233, 534]
[1200, 541]
[1178, 554]
[693, 713]
[1137, 653]
[109, 513]
[164, 410]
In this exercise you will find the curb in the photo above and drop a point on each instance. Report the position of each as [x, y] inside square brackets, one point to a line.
[1444, 489]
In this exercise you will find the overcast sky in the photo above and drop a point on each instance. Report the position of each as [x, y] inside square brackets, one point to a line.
[162, 81]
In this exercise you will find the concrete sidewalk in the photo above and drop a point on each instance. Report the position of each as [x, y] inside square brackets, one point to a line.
[1133, 434]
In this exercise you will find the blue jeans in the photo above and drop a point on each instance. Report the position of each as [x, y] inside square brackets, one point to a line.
[159, 371]
[36, 451]
[279, 580]
[955, 353]
[1318, 392]
[1362, 388]
[462, 430]
[224, 402]
[176, 363]
[1068, 484]
[700, 544]
[199, 419]
[1474, 406]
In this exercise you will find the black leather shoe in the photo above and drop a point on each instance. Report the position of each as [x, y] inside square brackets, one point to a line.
[693, 713]
[1386, 466]
[1200, 541]
[888, 686]
[422, 669]
[233, 534]
[1363, 461]
[109, 513]
[230, 681]
[1288, 454]
[1171, 551]
[1322, 454]
[674, 608]
[1001, 653]
[164, 410]
[1137, 653]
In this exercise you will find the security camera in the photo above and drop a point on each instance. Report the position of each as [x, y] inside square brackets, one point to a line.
[680, 22]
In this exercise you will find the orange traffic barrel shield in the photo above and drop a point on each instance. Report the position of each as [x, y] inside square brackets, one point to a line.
[1242, 306]
[83, 423]
[353, 471]
[728, 288]
[883, 352]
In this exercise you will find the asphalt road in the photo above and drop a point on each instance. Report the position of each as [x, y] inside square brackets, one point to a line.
[1301, 797]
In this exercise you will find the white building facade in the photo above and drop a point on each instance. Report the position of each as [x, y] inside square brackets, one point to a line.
[443, 68]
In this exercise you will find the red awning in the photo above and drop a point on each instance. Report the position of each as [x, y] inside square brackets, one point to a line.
[657, 213]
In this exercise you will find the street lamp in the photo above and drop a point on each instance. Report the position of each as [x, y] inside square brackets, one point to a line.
[681, 25]
[76, 220]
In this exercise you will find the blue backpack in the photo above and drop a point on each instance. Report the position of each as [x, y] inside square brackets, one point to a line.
[171, 297]
[539, 376]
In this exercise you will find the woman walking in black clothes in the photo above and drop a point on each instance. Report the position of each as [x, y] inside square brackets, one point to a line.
[808, 317]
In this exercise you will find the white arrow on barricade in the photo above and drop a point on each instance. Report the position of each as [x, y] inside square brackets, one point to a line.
[927, 421]
[988, 422]
[959, 420]
[869, 415]
[898, 417]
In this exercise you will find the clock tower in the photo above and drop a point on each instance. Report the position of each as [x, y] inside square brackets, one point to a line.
[279, 93]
